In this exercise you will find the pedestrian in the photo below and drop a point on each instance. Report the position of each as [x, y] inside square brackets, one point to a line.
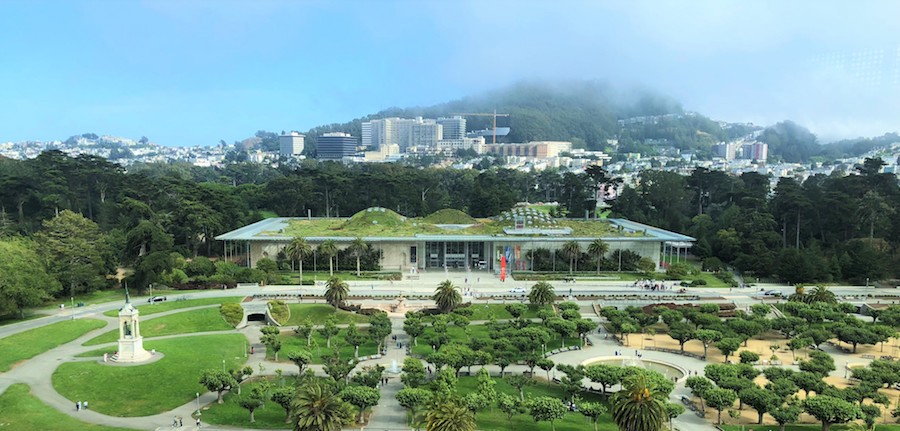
[180, 423]
[77, 407]
[251, 350]
[198, 422]
[84, 405]
[175, 422]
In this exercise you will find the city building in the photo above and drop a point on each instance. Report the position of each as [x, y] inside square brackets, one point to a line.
[533, 150]
[386, 152]
[756, 151]
[452, 145]
[291, 144]
[335, 146]
[454, 127]
[405, 132]
[726, 150]
[488, 244]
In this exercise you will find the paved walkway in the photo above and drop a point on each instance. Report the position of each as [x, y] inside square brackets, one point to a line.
[388, 415]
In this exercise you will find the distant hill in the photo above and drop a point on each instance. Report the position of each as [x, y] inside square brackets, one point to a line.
[582, 112]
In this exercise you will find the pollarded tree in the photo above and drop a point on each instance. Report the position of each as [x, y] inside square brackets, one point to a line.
[541, 294]
[317, 407]
[519, 382]
[748, 357]
[414, 326]
[379, 327]
[672, 411]
[546, 409]
[598, 249]
[329, 330]
[592, 411]
[726, 345]
[413, 400]
[362, 397]
[283, 395]
[217, 381]
[572, 250]
[831, 410]
[546, 365]
[509, 405]
[786, 414]
[606, 375]
[699, 385]
[329, 248]
[272, 343]
[681, 332]
[301, 358]
[304, 330]
[354, 338]
[447, 296]
[413, 373]
[336, 292]
[251, 403]
[720, 399]
[760, 399]
[707, 336]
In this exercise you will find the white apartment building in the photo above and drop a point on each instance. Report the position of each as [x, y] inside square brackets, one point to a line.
[454, 127]
[291, 144]
[404, 132]
[452, 145]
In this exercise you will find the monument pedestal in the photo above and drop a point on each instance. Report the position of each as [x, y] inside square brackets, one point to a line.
[131, 344]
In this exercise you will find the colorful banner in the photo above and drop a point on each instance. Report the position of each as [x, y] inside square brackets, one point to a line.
[502, 268]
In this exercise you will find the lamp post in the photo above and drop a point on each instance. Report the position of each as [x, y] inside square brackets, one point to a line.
[198, 403]
[73, 308]
[223, 365]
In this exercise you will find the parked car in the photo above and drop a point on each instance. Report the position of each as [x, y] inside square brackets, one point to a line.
[157, 299]
[517, 290]
[774, 293]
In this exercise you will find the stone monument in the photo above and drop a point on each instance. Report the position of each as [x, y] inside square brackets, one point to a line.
[131, 344]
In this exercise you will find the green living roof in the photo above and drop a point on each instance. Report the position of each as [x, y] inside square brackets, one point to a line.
[381, 223]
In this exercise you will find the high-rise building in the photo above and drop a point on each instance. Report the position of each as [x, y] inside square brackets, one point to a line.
[336, 145]
[404, 132]
[727, 151]
[758, 151]
[454, 127]
[291, 144]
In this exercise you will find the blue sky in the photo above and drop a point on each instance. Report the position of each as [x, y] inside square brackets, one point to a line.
[194, 72]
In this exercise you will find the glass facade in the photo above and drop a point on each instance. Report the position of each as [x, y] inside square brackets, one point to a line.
[453, 254]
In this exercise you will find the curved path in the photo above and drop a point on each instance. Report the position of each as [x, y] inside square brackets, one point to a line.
[388, 415]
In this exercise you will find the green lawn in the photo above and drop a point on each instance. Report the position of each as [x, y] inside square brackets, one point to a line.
[485, 311]
[317, 313]
[20, 410]
[202, 320]
[159, 307]
[15, 318]
[460, 335]
[270, 416]
[28, 344]
[152, 388]
[289, 341]
[495, 420]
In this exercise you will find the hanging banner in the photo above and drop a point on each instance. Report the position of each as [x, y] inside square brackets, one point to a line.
[502, 268]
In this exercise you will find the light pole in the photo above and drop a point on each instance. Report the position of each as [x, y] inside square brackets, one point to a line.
[223, 365]
[198, 403]
[151, 290]
[867, 287]
[73, 308]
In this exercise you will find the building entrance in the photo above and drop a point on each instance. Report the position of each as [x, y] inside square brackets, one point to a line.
[453, 254]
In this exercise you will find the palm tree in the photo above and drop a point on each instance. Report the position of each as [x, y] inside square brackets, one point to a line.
[572, 250]
[447, 296]
[541, 294]
[357, 248]
[336, 291]
[298, 249]
[450, 415]
[329, 248]
[317, 407]
[640, 405]
[598, 248]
